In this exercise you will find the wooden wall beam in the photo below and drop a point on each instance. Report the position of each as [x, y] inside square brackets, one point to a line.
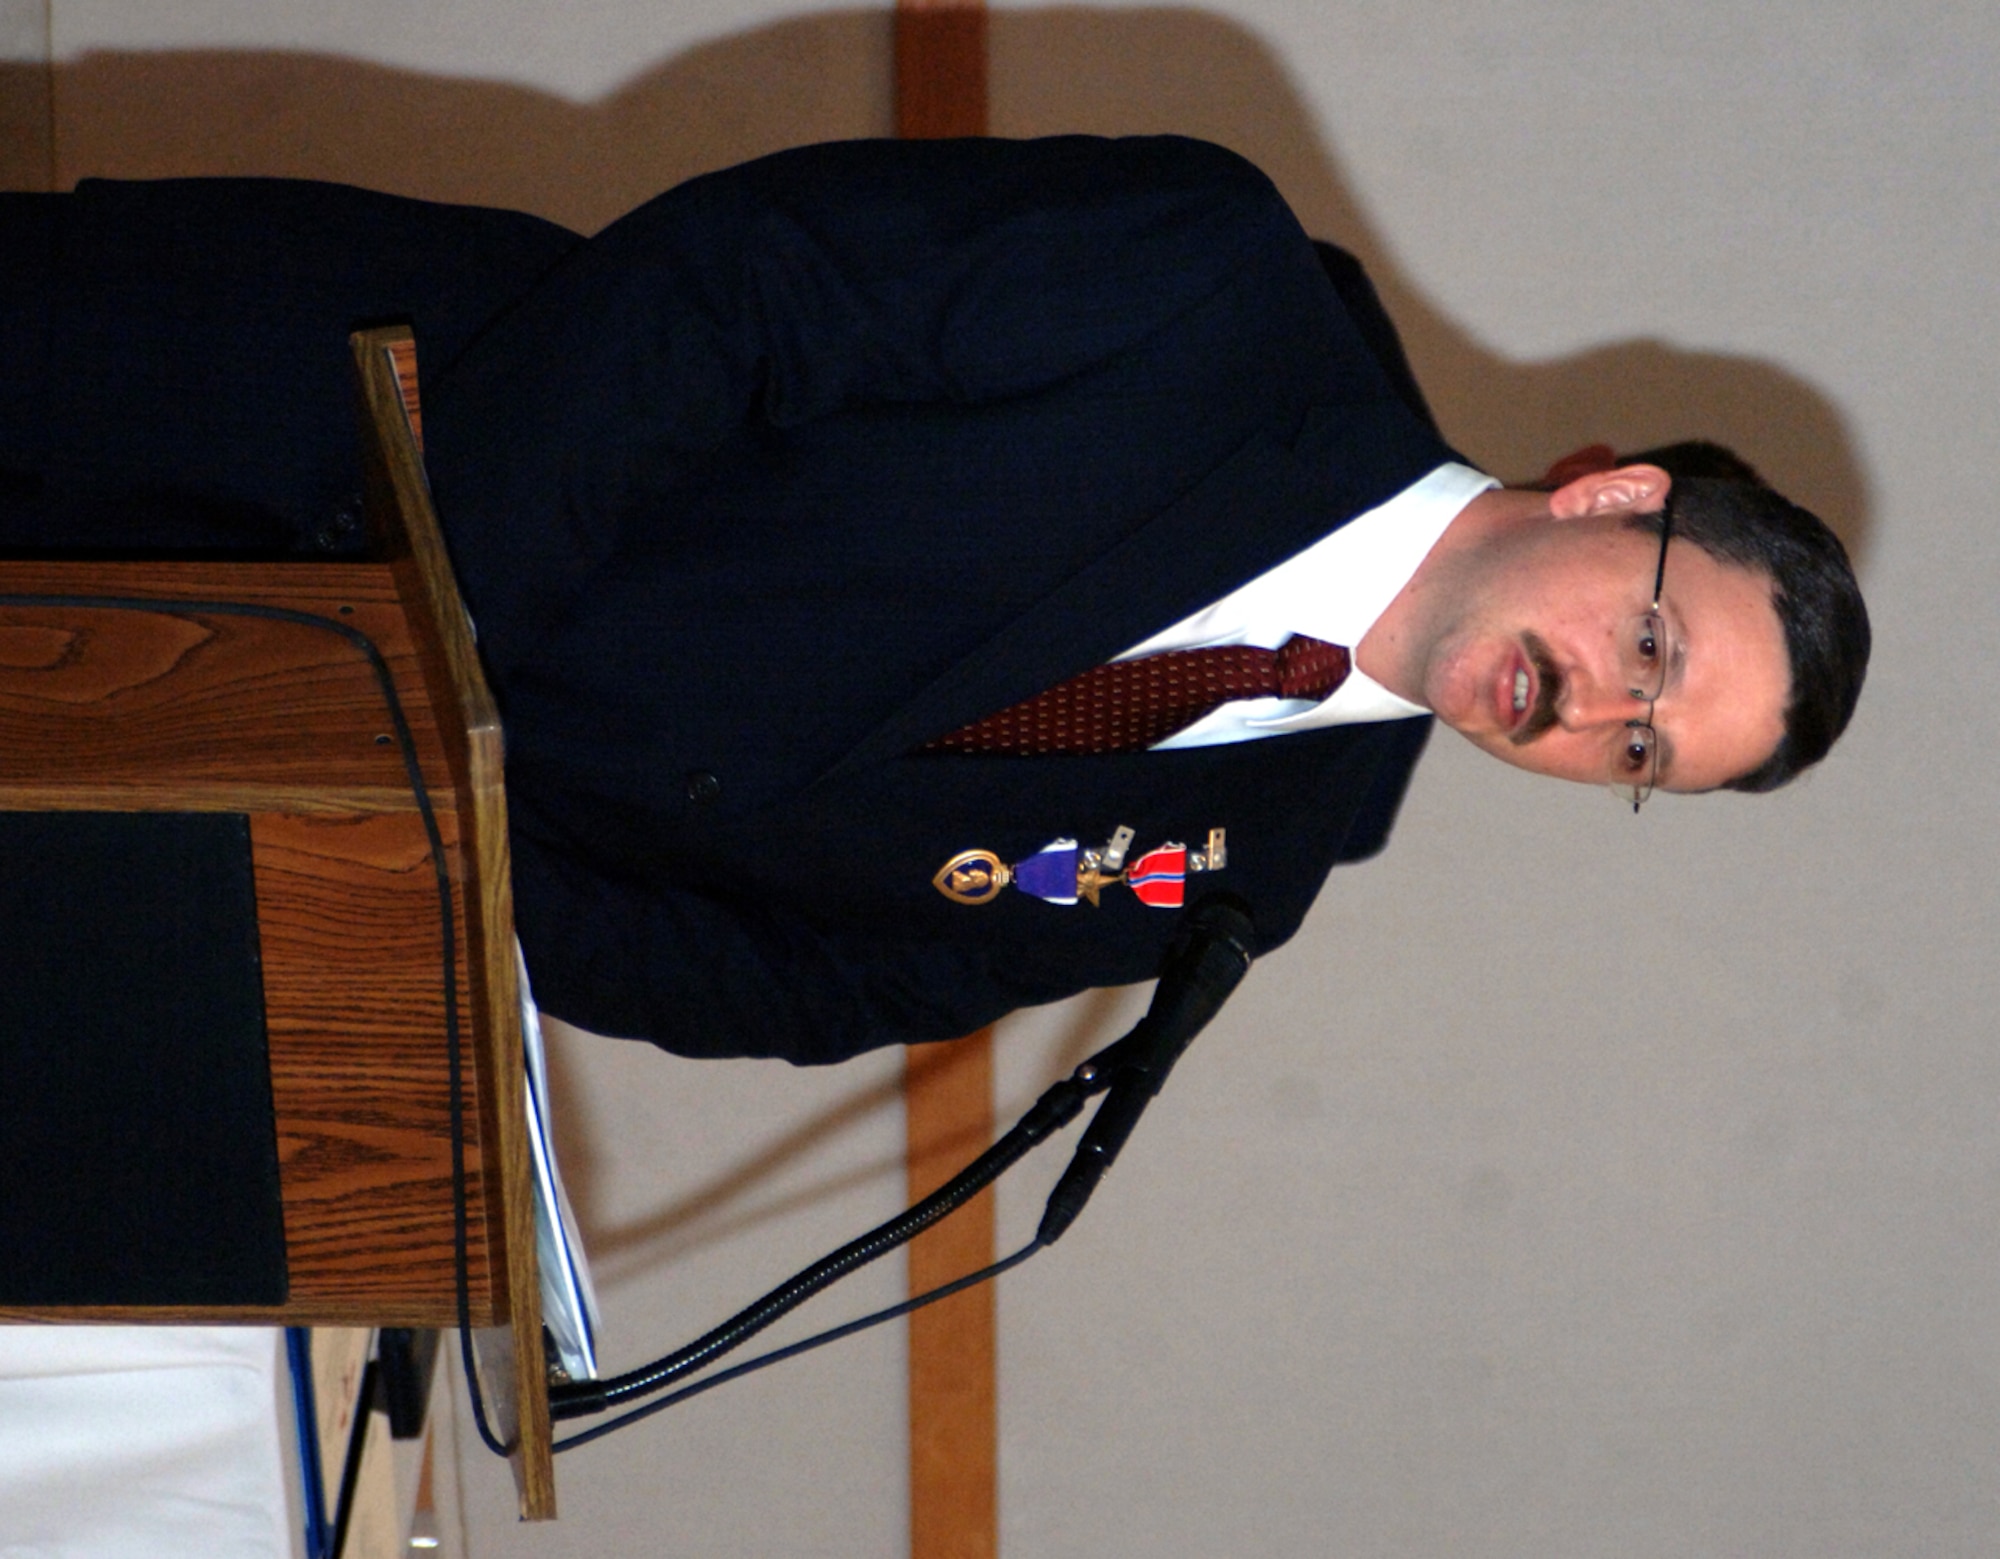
[940, 68]
[954, 1396]
[948, 1089]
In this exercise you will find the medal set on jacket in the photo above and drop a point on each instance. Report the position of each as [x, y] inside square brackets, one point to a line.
[1062, 872]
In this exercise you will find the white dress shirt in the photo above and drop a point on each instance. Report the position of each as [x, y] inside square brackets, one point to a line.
[1334, 590]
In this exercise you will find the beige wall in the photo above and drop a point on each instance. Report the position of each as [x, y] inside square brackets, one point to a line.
[1575, 1184]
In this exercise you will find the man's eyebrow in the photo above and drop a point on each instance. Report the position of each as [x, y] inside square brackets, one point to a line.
[1677, 654]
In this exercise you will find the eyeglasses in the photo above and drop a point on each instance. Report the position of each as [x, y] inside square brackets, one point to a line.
[1643, 660]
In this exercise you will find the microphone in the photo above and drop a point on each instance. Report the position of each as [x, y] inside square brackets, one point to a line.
[1204, 966]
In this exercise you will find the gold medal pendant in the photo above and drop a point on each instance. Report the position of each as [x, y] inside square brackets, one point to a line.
[972, 877]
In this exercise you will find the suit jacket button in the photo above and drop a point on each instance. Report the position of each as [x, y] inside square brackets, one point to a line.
[702, 787]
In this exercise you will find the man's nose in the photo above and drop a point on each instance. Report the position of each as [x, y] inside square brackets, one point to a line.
[1590, 701]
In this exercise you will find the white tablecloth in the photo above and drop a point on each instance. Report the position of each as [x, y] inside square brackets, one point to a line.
[145, 1442]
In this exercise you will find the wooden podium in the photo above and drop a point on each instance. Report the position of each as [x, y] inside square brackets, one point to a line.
[377, 842]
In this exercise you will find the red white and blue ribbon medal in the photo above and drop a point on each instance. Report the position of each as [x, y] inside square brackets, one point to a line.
[1062, 872]
[1159, 876]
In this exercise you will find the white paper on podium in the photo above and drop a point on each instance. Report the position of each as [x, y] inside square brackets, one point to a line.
[569, 1302]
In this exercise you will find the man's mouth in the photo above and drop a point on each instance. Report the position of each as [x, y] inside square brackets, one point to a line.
[1545, 688]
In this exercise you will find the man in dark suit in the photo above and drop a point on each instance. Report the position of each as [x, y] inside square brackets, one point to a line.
[804, 467]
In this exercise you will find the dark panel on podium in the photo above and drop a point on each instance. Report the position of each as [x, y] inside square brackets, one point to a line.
[138, 1145]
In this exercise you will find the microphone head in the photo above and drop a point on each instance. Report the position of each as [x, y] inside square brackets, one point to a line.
[1221, 916]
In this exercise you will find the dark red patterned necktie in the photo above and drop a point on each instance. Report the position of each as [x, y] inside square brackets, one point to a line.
[1130, 705]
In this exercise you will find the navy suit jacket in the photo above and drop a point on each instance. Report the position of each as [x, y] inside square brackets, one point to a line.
[805, 463]
[857, 444]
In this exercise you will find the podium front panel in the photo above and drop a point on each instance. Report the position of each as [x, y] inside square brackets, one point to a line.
[138, 1142]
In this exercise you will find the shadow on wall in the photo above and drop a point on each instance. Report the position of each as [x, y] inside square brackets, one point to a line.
[488, 143]
[726, 1202]
[826, 77]
[829, 76]
[26, 151]
[1195, 73]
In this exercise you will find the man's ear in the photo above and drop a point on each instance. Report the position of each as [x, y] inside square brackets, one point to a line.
[1637, 489]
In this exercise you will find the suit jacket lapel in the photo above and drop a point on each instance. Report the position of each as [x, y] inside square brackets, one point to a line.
[1265, 503]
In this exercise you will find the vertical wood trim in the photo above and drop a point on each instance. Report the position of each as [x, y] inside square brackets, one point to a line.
[948, 1089]
[940, 68]
[399, 492]
[954, 1411]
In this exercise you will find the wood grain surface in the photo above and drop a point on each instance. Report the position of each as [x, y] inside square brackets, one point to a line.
[170, 707]
[184, 709]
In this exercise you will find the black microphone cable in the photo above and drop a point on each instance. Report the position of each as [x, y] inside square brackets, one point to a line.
[805, 1345]
[1055, 1109]
[1210, 956]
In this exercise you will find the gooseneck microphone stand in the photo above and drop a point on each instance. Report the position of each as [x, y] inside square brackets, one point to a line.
[1208, 960]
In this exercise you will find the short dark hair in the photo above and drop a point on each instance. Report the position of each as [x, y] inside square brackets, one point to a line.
[1723, 506]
